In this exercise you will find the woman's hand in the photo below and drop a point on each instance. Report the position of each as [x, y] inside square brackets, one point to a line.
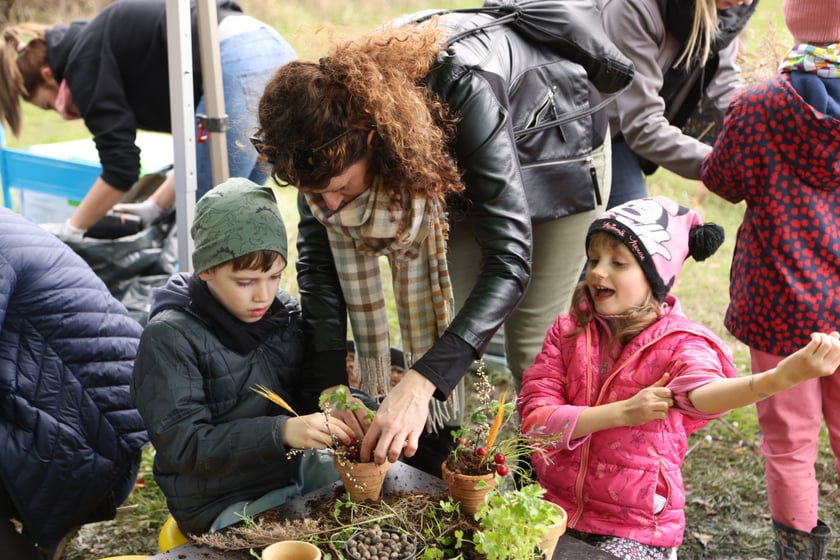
[315, 431]
[400, 420]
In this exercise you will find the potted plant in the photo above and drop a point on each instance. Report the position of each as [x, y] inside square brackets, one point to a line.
[518, 524]
[488, 445]
[362, 480]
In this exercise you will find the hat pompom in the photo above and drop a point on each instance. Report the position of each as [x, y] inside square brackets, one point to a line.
[704, 240]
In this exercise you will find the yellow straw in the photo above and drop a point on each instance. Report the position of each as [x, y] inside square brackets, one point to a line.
[273, 397]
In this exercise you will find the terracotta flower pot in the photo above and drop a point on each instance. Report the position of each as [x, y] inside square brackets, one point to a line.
[362, 481]
[549, 540]
[291, 550]
[466, 488]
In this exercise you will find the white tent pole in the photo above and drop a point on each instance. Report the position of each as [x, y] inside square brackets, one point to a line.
[215, 121]
[179, 41]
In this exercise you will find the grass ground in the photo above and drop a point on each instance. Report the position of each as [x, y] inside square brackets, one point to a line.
[727, 513]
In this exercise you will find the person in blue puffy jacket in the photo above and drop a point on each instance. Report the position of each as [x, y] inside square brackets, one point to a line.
[71, 437]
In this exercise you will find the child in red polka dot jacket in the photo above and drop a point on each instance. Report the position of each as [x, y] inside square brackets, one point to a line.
[779, 152]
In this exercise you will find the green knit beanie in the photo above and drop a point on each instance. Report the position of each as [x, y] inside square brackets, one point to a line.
[236, 218]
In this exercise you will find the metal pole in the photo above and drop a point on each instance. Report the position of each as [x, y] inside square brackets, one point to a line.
[215, 121]
[179, 40]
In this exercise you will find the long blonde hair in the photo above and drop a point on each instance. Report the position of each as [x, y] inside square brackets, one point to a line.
[704, 28]
[23, 52]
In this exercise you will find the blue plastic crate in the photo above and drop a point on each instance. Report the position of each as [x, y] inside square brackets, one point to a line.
[27, 170]
[67, 170]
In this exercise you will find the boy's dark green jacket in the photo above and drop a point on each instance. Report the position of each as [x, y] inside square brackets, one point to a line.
[217, 442]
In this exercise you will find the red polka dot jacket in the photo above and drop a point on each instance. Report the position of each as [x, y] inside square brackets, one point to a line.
[781, 155]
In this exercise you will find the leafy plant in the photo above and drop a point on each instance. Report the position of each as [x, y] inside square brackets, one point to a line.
[514, 522]
[489, 440]
[339, 398]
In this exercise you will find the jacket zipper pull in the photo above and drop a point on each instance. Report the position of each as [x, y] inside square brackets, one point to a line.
[594, 177]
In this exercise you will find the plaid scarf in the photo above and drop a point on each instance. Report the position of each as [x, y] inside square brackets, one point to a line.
[360, 233]
[822, 61]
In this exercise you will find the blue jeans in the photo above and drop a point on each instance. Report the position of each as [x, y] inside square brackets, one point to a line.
[248, 60]
[316, 471]
[628, 182]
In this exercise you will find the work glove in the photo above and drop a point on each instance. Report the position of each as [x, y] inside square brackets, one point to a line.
[147, 210]
[64, 231]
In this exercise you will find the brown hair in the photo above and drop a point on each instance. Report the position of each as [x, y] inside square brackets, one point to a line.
[623, 327]
[377, 83]
[261, 260]
[23, 52]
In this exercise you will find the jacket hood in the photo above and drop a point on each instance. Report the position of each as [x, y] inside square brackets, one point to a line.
[174, 294]
[808, 155]
[60, 42]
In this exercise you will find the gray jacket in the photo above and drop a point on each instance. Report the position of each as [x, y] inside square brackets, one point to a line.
[638, 29]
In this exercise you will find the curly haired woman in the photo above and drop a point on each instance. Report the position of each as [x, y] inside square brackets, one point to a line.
[438, 143]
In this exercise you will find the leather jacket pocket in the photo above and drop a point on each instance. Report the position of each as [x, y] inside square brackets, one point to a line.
[554, 139]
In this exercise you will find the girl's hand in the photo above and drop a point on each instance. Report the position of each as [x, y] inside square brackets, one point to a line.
[820, 358]
[651, 403]
[315, 431]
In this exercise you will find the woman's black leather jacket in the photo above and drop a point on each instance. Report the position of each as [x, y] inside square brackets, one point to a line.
[502, 86]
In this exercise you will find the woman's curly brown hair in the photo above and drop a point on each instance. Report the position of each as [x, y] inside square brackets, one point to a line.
[376, 83]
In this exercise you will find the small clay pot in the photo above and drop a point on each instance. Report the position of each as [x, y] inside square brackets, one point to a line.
[549, 540]
[291, 550]
[465, 488]
[370, 544]
[362, 481]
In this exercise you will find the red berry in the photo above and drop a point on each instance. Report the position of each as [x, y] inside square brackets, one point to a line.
[500, 459]
[502, 470]
[481, 452]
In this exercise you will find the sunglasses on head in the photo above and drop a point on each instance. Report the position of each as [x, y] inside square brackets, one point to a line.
[303, 159]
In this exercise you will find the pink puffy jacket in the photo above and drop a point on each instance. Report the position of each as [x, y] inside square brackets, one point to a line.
[607, 480]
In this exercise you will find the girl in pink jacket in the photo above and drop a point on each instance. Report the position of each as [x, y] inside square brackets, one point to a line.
[626, 377]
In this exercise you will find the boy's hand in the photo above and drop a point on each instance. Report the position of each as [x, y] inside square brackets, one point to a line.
[358, 420]
[651, 403]
[314, 432]
[820, 358]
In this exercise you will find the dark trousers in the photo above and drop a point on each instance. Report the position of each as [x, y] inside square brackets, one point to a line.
[432, 451]
[13, 543]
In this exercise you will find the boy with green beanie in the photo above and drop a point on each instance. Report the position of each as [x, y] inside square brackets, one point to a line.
[222, 450]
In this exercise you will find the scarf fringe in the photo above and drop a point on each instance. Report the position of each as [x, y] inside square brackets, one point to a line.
[376, 382]
[444, 413]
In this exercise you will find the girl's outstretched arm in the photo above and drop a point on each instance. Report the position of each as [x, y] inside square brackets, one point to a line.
[819, 358]
[651, 403]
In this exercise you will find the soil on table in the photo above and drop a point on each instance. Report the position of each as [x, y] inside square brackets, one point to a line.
[328, 526]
